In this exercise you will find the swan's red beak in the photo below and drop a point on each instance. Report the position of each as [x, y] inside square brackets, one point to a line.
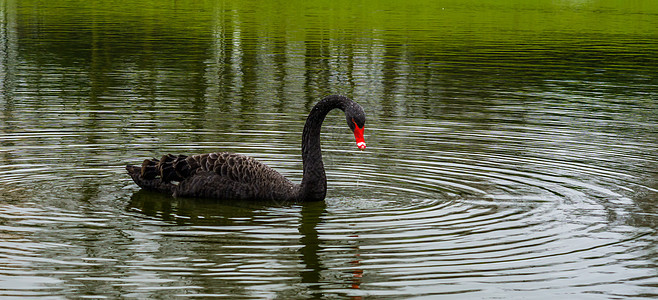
[358, 135]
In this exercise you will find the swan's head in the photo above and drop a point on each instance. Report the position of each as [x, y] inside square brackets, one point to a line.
[356, 120]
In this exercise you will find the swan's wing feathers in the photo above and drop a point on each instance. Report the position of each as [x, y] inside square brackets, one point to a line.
[233, 176]
[215, 175]
[237, 167]
[232, 166]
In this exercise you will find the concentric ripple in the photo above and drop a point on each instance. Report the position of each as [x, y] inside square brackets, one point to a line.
[458, 220]
[469, 211]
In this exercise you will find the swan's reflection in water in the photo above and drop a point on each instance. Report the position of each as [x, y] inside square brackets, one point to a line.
[191, 211]
[246, 246]
[312, 214]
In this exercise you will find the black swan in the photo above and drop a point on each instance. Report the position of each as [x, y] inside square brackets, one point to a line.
[237, 177]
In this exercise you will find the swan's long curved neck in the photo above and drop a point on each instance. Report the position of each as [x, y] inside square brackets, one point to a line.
[314, 181]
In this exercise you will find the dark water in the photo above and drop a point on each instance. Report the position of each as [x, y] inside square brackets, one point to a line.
[511, 148]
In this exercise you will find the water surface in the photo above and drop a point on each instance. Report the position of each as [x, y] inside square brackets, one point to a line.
[511, 148]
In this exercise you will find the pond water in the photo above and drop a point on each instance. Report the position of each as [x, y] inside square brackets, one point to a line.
[511, 148]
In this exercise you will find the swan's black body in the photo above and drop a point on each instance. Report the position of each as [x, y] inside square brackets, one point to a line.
[238, 177]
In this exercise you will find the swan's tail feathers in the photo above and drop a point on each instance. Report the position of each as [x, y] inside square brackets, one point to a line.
[149, 169]
[166, 169]
[174, 167]
[147, 177]
[163, 174]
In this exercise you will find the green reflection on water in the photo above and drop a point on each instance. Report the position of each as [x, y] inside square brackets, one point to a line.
[241, 53]
[296, 18]
[191, 27]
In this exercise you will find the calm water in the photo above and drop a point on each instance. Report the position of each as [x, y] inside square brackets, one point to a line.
[511, 148]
